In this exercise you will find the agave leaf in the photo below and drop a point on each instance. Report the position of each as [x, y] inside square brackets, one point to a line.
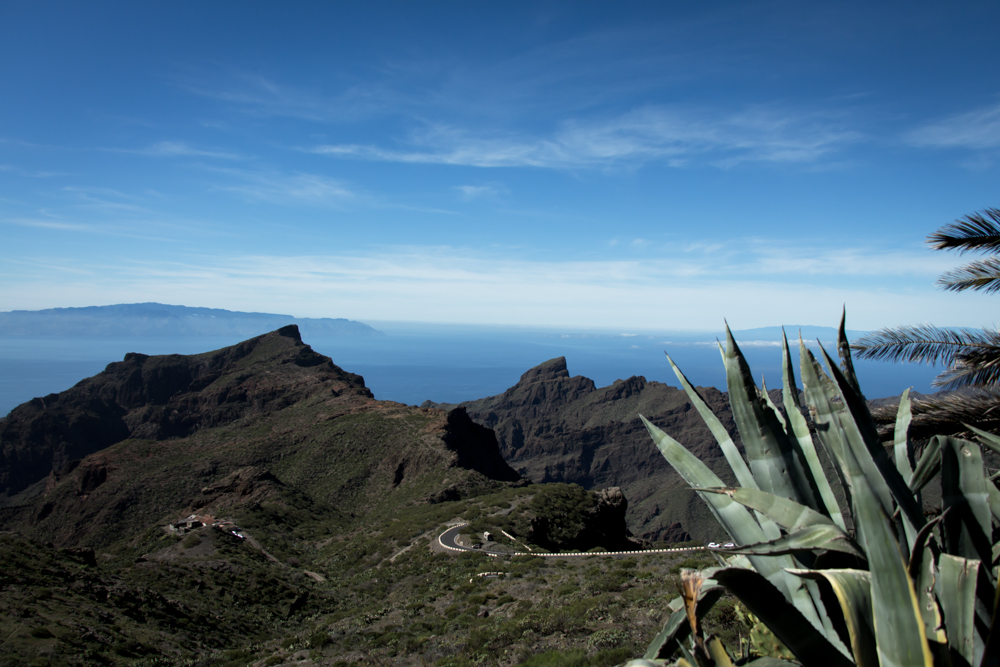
[788, 514]
[809, 644]
[853, 591]
[844, 350]
[826, 536]
[994, 494]
[903, 450]
[991, 440]
[824, 409]
[774, 462]
[968, 525]
[769, 403]
[956, 588]
[718, 653]
[677, 628]
[923, 572]
[899, 625]
[992, 650]
[729, 450]
[869, 454]
[927, 465]
[735, 519]
[924, 575]
[739, 467]
[799, 430]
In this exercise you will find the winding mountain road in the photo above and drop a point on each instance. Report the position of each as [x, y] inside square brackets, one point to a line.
[449, 540]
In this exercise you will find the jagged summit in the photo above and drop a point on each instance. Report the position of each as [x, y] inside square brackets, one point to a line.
[165, 396]
[150, 433]
[554, 427]
[549, 370]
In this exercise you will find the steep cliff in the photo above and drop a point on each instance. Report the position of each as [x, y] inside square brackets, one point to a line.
[553, 427]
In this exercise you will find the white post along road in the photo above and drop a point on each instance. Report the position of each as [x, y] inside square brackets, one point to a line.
[448, 540]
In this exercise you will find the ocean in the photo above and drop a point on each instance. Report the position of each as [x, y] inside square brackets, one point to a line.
[449, 364]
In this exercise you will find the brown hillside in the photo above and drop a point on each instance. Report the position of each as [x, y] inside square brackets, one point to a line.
[152, 437]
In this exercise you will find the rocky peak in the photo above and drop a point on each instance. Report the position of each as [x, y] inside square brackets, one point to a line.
[165, 396]
[624, 388]
[553, 369]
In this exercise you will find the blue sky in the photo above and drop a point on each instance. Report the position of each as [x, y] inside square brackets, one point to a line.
[656, 165]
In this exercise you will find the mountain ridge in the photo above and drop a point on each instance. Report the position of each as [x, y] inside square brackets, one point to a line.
[554, 427]
[149, 433]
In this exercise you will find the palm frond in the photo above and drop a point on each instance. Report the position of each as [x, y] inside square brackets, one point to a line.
[929, 344]
[979, 231]
[979, 275]
[944, 415]
[977, 367]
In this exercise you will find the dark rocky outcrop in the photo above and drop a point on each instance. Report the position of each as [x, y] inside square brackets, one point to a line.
[161, 397]
[553, 427]
[240, 426]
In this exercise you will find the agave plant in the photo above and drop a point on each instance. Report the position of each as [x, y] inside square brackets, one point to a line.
[839, 560]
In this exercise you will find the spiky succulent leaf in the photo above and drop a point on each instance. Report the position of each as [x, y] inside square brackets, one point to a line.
[809, 644]
[844, 350]
[799, 429]
[729, 450]
[927, 466]
[772, 458]
[736, 520]
[902, 448]
[824, 407]
[718, 653]
[853, 591]
[879, 472]
[956, 588]
[968, 523]
[788, 514]
[818, 537]
[899, 625]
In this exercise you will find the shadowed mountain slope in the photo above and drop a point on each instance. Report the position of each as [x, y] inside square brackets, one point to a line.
[552, 427]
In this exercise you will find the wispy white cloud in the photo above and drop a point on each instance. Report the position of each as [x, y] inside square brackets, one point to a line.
[294, 188]
[49, 224]
[974, 130]
[261, 96]
[177, 149]
[672, 135]
[470, 192]
[460, 285]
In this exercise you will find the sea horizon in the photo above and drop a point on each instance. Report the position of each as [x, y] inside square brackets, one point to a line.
[416, 362]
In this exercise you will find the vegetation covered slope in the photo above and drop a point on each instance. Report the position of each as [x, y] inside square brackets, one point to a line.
[327, 505]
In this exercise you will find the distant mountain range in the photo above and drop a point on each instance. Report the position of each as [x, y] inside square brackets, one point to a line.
[157, 319]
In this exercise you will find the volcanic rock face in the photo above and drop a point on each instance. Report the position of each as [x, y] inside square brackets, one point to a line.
[245, 424]
[552, 427]
[169, 396]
